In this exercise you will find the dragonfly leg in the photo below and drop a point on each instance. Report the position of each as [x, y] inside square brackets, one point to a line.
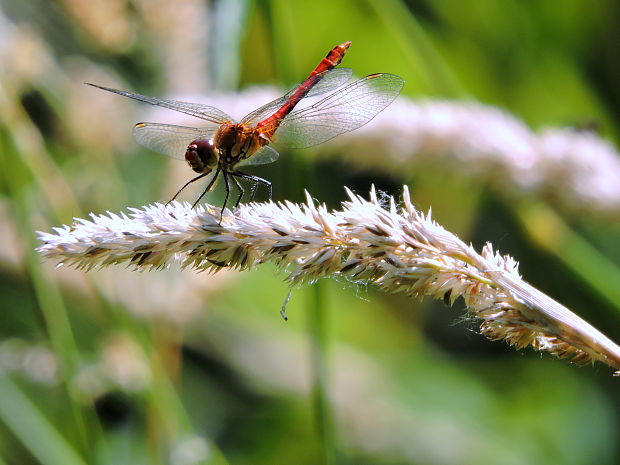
[227, 183]
[211, 183]
[255, 180]
[253, 192]
[185, 185]
[254, 183]
[254, 188]
[241, 191]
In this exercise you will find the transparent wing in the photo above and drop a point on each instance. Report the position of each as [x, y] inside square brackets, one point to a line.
[331, 80]
[169, 139]
[198, 110]
[343, 111]
[263, 156]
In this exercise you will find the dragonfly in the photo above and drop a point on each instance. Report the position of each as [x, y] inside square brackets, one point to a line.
[224, 145]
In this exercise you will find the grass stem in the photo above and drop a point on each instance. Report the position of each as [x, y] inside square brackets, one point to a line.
[318, 315]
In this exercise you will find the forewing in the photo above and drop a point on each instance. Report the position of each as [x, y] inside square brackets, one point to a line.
[263, 156]
[343, 111]
[169, 139]
[330, 80]
[198, 110]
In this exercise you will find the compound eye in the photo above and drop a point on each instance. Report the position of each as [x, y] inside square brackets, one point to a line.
[202, 155]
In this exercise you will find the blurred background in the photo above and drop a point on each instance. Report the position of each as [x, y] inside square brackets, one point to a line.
[507, 128]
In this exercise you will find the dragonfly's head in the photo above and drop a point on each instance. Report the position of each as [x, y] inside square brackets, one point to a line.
[202, 155]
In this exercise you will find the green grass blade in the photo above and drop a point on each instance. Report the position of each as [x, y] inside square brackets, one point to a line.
[554, 235]
[418, 49]
[32, 428]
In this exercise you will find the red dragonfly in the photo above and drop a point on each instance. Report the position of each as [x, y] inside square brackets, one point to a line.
[226, 145]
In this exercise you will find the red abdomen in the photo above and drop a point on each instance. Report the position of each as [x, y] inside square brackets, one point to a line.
[333, 58]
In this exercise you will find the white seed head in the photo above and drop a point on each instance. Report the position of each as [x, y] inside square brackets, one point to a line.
[399, 250]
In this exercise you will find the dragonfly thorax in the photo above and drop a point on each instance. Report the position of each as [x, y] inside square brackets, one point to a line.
[202, 155]
[236, 142]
